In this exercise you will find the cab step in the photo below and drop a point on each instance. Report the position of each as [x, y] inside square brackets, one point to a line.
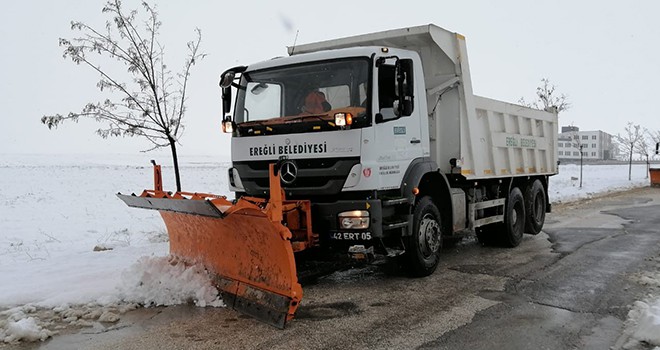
[394, 201]
[394, 225]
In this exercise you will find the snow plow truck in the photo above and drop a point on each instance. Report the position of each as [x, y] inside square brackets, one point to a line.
[366, 145]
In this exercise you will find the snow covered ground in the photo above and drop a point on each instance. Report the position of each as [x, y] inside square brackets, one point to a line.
[71, 253]
[643, 324]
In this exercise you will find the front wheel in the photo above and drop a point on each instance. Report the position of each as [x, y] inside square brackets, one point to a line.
[423, 245]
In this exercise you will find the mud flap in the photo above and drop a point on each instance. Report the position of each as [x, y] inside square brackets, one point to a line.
[250, 256]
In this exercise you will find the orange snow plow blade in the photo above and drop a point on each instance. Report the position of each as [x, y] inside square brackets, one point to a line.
[245, 245]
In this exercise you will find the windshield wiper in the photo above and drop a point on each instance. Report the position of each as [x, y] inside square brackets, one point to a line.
[303, 117]
[287, 120]
[251, 123]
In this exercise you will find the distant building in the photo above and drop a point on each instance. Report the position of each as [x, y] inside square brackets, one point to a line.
[595, 145]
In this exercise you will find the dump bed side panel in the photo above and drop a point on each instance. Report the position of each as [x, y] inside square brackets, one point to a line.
[505, 139]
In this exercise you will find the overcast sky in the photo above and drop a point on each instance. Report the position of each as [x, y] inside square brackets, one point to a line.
[605, 55]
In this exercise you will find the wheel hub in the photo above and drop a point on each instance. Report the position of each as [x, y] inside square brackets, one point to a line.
[429, 235]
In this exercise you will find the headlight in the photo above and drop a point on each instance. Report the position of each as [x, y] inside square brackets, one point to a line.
[354, 219]
[227, 126]
[343, 119]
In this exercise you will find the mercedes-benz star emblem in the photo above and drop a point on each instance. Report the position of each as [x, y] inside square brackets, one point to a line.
[288, 172]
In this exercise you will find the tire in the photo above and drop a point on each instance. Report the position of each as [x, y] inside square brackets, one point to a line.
[535, 202]
[514, 219]
[423, 245]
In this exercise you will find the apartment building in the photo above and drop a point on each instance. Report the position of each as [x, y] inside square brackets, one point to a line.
[594, 145]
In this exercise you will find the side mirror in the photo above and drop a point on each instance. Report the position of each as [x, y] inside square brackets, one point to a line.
[226, 100]
[404, 87]
[227, 123]
[227, 78]
[657, 148]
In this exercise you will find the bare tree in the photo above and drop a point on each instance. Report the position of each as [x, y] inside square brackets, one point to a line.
[655, 141]
[629, 141]
[645, 148]
[547, 98]
[151, 104]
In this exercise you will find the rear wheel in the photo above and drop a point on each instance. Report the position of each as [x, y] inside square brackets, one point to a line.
[423, 245]
[514, 219]
[535, 207]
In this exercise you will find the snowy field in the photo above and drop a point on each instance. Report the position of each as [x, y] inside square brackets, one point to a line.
[72, 253]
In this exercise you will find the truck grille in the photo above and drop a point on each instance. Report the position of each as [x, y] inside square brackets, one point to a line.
[316, 177]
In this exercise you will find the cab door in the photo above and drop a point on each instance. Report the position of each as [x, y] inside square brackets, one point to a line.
[398, 136]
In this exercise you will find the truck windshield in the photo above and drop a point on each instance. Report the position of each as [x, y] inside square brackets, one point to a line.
[304, 93]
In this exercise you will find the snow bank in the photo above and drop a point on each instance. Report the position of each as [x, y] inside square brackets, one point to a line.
[155, 281]
[24, 329]
[596, 180]
[57, 209]
[151, 281]
[643, 323]
[16, 326]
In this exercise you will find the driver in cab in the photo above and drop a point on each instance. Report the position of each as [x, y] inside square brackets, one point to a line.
[315, 103]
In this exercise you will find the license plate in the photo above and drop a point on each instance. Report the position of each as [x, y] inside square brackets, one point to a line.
[351, 236]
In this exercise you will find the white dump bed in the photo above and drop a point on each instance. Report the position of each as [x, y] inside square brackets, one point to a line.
[487, 138]
[506, 139]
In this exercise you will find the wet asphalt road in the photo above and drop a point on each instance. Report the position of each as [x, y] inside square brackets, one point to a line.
[581, 299]
[569, 287]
